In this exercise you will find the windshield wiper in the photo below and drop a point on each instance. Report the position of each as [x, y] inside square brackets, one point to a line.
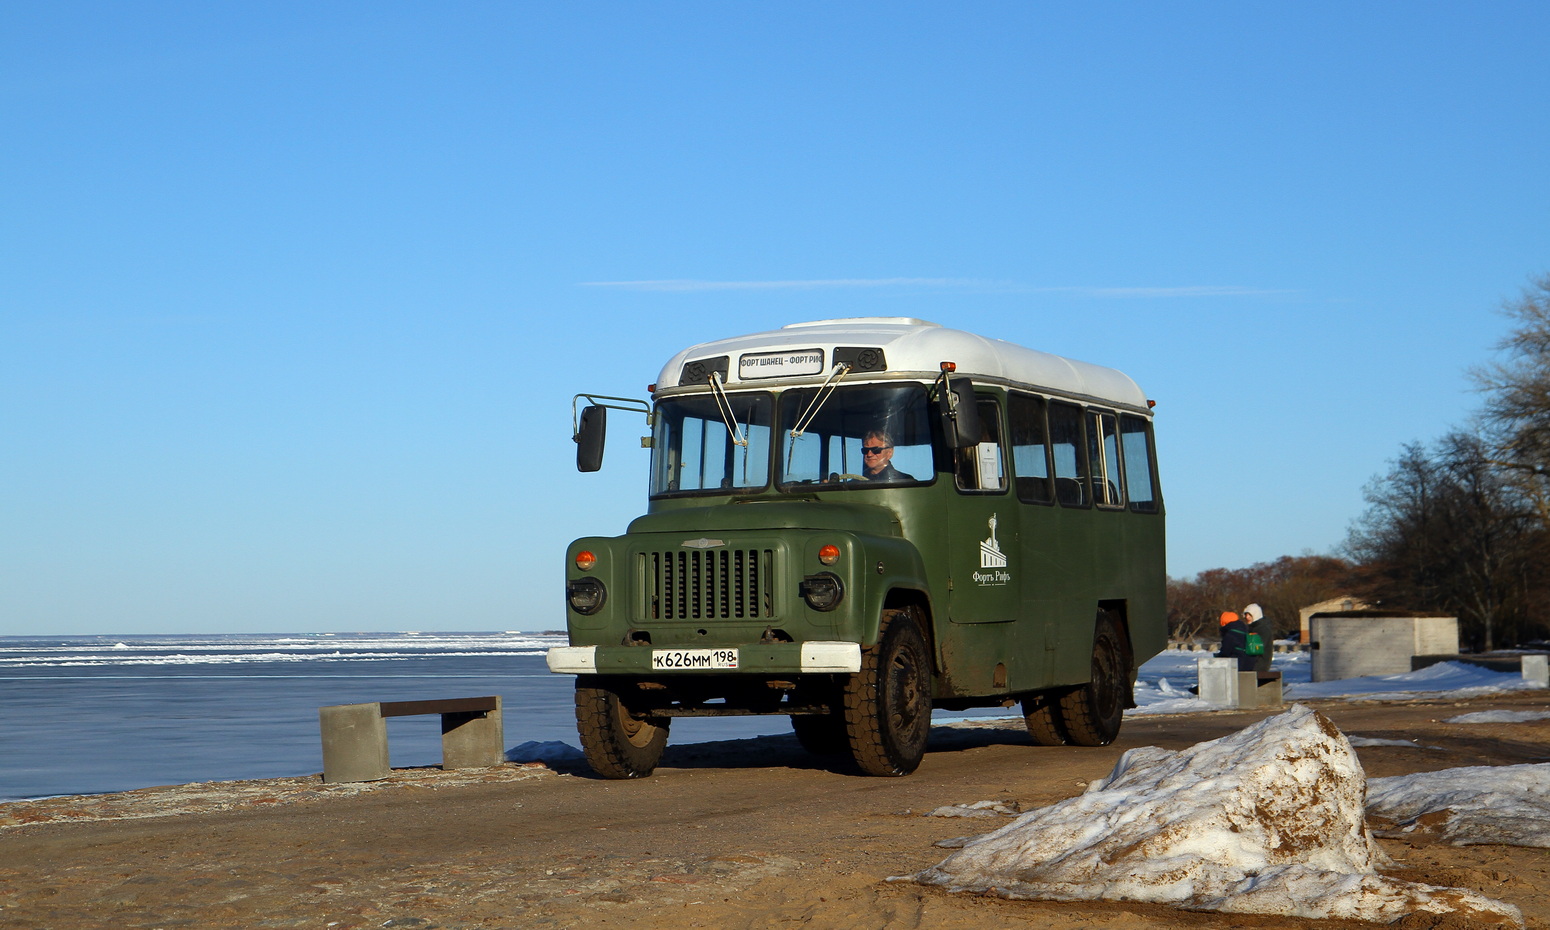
[724, 404]
[805, 418]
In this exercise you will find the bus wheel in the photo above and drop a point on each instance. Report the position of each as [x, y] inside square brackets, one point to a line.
[617, 743]
[1041, 714]
[821, 734]
[888, 703]
[1092, 713]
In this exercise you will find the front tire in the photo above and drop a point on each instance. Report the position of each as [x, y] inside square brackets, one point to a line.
[617, 742]
[887, 705]
[1092, 713]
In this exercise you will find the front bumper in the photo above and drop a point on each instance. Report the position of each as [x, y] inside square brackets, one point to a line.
[759, 659]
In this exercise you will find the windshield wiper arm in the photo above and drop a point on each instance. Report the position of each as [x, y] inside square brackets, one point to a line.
[805, 419]
[724, 404]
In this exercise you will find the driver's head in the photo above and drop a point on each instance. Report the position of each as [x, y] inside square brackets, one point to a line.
[876, 451]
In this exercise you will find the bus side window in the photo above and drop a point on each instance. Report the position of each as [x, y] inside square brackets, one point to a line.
[1103, 453]
[1069, 454]
[1136, 440]
[1030, 452]
[980, 467]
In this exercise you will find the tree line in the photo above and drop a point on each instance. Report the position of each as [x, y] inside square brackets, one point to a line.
[1458, 526]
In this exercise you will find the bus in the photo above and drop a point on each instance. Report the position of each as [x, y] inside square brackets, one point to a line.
[853, 522]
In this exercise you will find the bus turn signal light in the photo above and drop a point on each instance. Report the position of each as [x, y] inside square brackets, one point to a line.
[585, 560]
[829, 554]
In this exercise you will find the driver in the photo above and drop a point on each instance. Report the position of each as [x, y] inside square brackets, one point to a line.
[877, 458]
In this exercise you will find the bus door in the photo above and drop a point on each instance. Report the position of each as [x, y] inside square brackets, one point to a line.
[983, 529]
[1061, 541]
[1108, 487]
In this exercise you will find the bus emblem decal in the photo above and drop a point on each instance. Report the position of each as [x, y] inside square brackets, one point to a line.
[991, 555]
[703, 543]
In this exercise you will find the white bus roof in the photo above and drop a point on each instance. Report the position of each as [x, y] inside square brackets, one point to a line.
[913, 347]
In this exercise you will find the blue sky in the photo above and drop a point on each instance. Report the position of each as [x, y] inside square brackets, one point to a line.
[294, 297]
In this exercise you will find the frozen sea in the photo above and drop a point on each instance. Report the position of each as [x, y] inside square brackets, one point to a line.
[95, 714]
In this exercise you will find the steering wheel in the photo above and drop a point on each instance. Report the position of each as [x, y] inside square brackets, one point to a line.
[846, 477]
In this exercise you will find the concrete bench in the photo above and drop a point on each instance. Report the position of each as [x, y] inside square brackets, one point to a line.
[1222, 683]
[1259, 689]
[355, 735]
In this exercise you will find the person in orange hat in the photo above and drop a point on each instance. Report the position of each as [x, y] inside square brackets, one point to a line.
[1235, 641]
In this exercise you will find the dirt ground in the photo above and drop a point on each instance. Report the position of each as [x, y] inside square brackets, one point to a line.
[746, 834]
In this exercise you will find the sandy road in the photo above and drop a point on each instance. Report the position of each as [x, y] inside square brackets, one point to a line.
[749, 834]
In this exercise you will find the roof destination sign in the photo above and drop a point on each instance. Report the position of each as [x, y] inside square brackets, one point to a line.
[788, 364]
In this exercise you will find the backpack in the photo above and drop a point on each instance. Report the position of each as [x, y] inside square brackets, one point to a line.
[1254, 645]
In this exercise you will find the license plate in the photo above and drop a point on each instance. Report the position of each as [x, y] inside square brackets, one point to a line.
[689, 659]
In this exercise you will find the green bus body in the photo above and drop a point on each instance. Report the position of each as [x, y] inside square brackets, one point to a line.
[1010, 576]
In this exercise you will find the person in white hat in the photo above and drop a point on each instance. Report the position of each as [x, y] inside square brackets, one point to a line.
[1254, 619]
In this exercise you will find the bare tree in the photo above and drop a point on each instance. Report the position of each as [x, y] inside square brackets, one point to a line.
[1395, 542]
[1445, 530]
[1517, 390]
[1282, 587]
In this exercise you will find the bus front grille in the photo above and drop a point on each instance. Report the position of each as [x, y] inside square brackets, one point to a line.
[723, 584]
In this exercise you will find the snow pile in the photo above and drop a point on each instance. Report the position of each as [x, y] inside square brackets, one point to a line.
[1360, 741]
[1454, 679]
[1163, 686]
[1500, 716]
[1505, 804]
[978, 809]
[1164, 697]
[1268, 820]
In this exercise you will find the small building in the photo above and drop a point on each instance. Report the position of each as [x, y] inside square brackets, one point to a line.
[1334, 604]
[1357, 643]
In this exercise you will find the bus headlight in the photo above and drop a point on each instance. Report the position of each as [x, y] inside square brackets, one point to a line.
[586, 595]
[823, 591]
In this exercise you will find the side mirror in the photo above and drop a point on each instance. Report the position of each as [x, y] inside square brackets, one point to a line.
[589, 438]
[960, 413]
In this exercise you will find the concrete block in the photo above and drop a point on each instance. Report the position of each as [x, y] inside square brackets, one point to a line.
[1248, 690]
[1369, 644]
[1537, 670]
[1268, 692]
[355, 744]
[473, 740]
[1436, 636]
[1218, 680]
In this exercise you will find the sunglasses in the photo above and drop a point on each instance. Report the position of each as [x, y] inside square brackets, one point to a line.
[874, 450]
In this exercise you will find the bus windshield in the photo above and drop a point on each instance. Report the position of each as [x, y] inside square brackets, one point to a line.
[697, 447]
[874, 433]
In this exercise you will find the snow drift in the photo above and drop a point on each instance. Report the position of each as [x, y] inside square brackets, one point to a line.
[1505, 804]
[1269, 820]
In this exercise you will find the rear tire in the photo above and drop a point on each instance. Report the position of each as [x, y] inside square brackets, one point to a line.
[1092, 713]
[888, 703]
[617, 742]
[1041, 714]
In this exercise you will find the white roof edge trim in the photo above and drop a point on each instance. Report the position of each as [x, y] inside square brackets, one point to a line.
[864, 321]
[915, 346]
